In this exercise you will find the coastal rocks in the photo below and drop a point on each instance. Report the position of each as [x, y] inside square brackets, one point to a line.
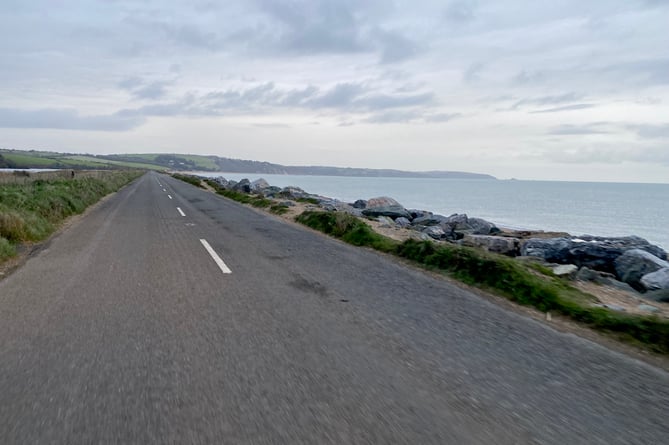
[496, 244]
[631, 266]
[360, 204]
[597, 253]
[434, 232]
[463, 224]
[658, 280]
[402, 222]
[259, 185]
[565, 270]
[658, 296]
[385, 206]
[429, 220]
[243, 186]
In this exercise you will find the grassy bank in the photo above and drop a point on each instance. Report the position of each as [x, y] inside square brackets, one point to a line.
[31, 212]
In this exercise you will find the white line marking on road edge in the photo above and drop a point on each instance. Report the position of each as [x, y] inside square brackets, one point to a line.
[164, 190]
[217, 259]
[169, 196]
[181, 211]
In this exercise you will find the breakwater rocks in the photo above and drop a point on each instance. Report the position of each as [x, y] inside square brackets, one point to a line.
[629, 263]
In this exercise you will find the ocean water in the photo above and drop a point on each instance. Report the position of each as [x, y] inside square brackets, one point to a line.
[593, 208]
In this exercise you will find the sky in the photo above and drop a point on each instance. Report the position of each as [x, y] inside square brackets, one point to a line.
[555, 90]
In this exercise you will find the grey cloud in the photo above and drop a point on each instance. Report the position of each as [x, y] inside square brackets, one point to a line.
[395, 47]
[473, 72]
[648, 131]
[461, 11]
[565, 108]
[586, 129]
[392, 117]
[340, 96]
[154, 90]
[130, 83]
[547, 100]
[67, 119]
[380, 101]
[525, 77]
[442, 117]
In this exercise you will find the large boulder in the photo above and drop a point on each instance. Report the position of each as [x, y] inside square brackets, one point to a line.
[658, 280]
[462, 224]
[552, 250]
[385, 206]
[243, 186]
[402, 222]
[498, 244]
[632, 265]
[434, 232]
[429, 220]
[359, 204]
[259, 184]
[292, 192]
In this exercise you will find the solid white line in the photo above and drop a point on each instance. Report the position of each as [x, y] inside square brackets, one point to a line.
[164, 190]
[217, 259]
[181, 211]
[169, 196]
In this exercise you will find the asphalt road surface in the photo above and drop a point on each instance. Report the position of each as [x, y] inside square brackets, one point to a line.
[171, 315]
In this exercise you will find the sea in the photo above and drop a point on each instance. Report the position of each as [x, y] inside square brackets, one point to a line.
[593, 208]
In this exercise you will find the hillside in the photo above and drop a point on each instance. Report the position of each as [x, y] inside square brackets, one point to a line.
[187, 162]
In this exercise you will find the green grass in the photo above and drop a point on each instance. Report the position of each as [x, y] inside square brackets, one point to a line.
[32, 211]
[113, 163]
[29, 160]
[278, 209]
[192, 180]
[307, 200]
[525, 284]
[7, 249]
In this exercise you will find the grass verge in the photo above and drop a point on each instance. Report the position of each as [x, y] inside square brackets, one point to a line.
[500, 274]
[32, 211]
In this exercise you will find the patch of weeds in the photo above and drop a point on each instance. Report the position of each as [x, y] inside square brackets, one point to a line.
[7, 249]
[193, 180]
[278, 209]
[307, 200]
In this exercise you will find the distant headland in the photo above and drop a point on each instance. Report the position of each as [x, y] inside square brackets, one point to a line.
[187, 162]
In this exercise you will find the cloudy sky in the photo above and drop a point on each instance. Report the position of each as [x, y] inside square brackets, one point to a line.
[567, 90]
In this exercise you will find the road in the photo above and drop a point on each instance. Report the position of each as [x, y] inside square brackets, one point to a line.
[128, 328]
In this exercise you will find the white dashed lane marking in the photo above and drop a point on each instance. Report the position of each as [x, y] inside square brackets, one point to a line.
[217, 259]
[181, 212]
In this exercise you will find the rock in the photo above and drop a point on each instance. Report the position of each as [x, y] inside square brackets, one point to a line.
[259, 184]
[658, 280]
[434, 232]
[632, 265]
[554, 250]
[458, 221]
[402, 222]
[271, 191]
[360, 204]
[221, 181]
[385, 206]
[429, 220]
[565, 270]
[587, 274]
[243, 186]
[648, 308]
[292, 192]
[612, 282]
[385, 221]
[659, 296]
[482, 227]
[597, 253]
[415, 213]
[502, 245]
